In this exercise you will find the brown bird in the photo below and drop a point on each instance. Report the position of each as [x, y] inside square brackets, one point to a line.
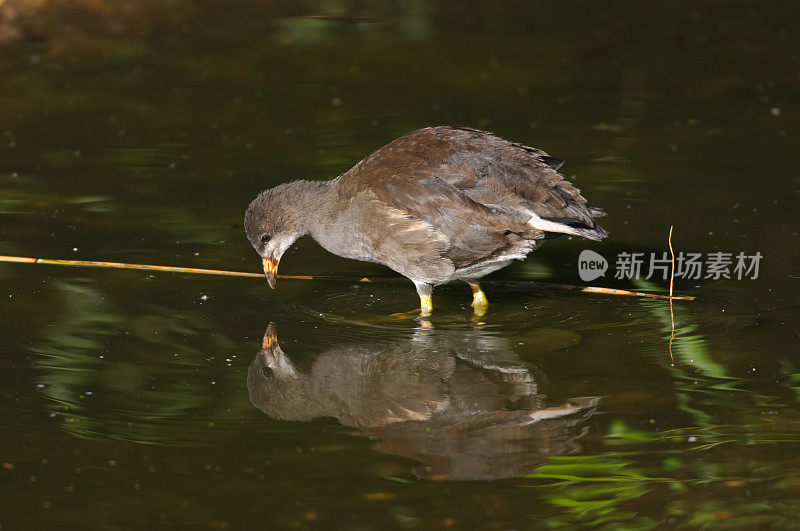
[460, 401]
[436, 205]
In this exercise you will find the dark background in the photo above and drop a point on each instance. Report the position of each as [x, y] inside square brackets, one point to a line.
[140, 131]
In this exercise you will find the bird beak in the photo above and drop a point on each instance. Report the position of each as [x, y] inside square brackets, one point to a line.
[270, 270]
[270, 340]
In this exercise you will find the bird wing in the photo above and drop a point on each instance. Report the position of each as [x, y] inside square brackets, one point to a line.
[475, 194]
[407, 244]
[470, 231]
[490, 170]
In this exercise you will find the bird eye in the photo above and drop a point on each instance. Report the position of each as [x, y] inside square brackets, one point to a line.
[265, 238]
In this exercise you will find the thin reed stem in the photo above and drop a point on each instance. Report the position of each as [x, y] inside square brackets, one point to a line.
[220, 272]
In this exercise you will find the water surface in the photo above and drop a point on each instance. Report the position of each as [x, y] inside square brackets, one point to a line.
[139, 133]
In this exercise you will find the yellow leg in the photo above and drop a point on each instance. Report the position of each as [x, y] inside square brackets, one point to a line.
[425, 305]
[479, 301]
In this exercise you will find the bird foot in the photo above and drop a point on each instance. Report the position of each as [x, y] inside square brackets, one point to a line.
[479, 301]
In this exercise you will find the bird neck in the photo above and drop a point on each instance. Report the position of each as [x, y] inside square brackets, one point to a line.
[313, 204]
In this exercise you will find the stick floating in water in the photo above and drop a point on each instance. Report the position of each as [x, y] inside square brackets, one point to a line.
[671, 282]
[145, 267]
[219, 272]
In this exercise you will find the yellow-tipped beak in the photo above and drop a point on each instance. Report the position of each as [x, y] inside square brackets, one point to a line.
[270, 270]
[270, 340]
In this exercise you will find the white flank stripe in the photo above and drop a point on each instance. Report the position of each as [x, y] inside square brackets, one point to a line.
[550, 226]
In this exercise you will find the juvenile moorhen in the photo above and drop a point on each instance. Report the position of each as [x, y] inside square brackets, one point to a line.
[439, 204]
[460, 401]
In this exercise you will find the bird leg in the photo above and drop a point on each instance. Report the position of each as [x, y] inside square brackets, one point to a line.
[425, 301]
[479, 301]
[425, 305]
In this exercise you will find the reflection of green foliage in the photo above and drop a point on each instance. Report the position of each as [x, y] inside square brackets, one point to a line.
[304, 30]
[694, 370]
[592, 490]
[105, 373]
[598, 490]
[689, 346]
[792, 378]
[619, 431]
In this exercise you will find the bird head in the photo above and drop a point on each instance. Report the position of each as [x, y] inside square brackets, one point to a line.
[271, 351]
[272, 226]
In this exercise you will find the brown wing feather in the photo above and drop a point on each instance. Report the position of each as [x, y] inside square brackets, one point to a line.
[518, 176]
[491, 170]
[408, 176]
[473, 231]
[471, 187]
[409, 245]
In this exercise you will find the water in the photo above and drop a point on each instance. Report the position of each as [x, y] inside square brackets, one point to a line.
[139, 133]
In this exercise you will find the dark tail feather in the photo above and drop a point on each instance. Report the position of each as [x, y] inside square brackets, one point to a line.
[596, 234]
[551, 161]
[596, 212]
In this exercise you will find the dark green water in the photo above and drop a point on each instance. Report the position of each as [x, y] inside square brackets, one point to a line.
[139, 133]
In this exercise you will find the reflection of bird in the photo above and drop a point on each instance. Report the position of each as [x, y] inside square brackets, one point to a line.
[435, 205]
[464, 414]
